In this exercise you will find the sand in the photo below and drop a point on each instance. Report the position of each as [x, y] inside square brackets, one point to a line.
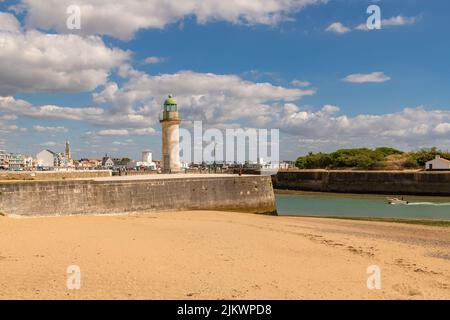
[219, 255]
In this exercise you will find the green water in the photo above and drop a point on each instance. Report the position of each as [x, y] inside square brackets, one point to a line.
[320, 204]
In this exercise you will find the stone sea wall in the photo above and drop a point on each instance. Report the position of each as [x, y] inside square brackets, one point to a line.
[252, 194]
[53, 175]
[381, 182]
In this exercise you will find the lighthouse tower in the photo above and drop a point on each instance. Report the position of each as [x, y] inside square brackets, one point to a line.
[170, 123]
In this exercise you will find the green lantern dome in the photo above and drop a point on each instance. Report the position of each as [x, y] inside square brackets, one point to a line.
[170, 101]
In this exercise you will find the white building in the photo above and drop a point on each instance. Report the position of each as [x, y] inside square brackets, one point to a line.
[146, 163]
[49, 159]
[184, 165]
[46, 159]
[438, 164]
[107, 162]
[147, 156]
[11, 161]
[4, 159]
[28, 161]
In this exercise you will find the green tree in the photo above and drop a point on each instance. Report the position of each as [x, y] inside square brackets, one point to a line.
[125, 161]
[424, 155]
[388, 151]
[361, 158]
[410, 164]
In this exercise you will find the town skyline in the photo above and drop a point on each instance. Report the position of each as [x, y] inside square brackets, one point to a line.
[325, 80]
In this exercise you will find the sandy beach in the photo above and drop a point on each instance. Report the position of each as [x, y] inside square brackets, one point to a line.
[220, 255]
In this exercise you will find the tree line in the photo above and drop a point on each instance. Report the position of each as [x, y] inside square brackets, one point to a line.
[370, 159]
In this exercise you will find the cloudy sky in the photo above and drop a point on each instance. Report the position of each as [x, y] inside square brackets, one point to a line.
[308, 67]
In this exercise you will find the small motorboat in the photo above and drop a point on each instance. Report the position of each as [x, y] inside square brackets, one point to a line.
[397, 201]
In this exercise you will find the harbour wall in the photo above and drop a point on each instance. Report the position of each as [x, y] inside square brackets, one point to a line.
[253, 194]
[53, 175]
[378, 182]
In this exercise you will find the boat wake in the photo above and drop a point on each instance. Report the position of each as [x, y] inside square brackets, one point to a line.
[435, 204]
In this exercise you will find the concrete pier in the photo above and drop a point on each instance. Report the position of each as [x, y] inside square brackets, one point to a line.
[110, 195]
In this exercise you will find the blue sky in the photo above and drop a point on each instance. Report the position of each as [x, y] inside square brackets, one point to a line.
[406, 106]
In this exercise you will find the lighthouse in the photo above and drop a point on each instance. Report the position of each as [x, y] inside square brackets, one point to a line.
[170, 123]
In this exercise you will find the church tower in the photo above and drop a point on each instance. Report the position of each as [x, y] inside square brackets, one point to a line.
[68, 152]
[170, 123]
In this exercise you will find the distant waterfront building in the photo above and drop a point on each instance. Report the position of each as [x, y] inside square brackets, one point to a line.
[147, 156]
[438, 163]
[49, 159]
[158, 164]
[61, 160]
[146, 163]
[28, 162]
[88, 163]
[14, 161]
[3, 159]
[278, 165]
[107, 162]
[46, 159]
[170, 122]
[184, 165]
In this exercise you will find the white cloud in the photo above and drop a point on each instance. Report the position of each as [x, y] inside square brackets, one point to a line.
[131, 108]
[143, 132]
[374, 77]
[23, 108]
[6, 126]
[50, 129]
[442, 128]
[201, 96]
[337, 27]
[124, 132]
[113, 132]
[398, 21]
[33, 61]
[362, 27]
[8, 117]
[123, 143]
[330, 109]
[215, 99]
[122, 18]
[154, 60]
[410, 128]
[300, 83]
[9, 23]
[49, 144]
[391, 22]
[93, 115]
